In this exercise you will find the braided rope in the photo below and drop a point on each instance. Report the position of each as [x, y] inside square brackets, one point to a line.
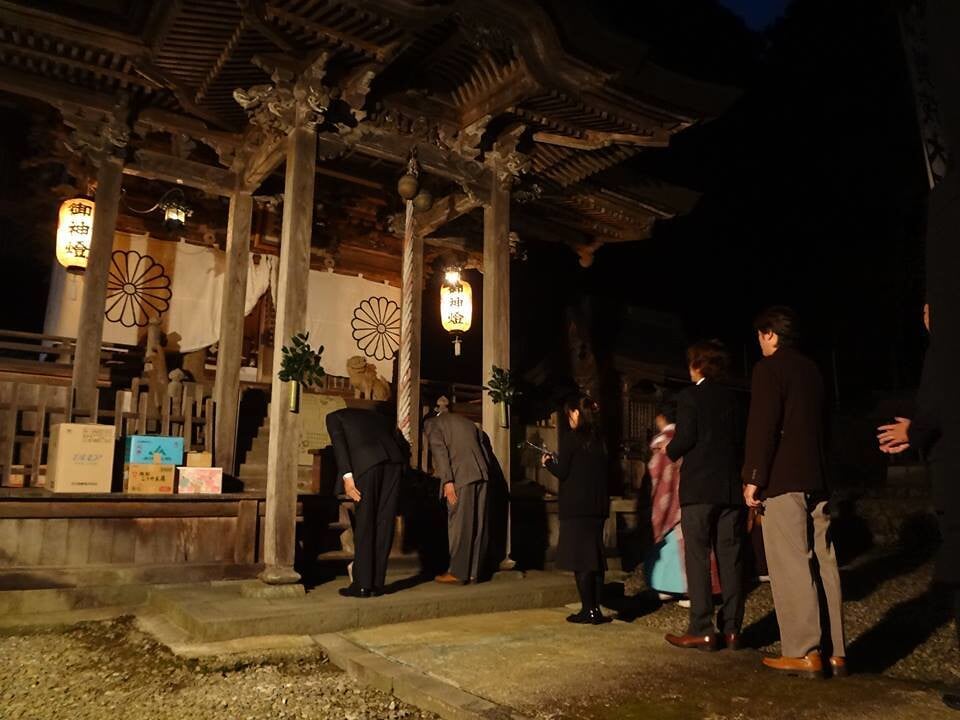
[406, 328]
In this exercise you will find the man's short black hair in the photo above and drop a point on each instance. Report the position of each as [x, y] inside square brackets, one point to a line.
[781, 320]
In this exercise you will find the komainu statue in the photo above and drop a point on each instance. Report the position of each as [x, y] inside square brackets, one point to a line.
[366, 383]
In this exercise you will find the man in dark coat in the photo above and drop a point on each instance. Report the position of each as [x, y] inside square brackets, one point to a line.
[370, 463]
[925, 433]
[712, 514]
[460, 462]
[785, 472]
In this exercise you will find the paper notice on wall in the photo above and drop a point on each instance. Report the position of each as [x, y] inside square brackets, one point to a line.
[313, 413]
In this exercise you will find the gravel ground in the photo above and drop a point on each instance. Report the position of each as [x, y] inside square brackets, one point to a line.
[111, 670]
[895, 623]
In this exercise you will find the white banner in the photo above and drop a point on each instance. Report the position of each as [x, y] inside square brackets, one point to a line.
[183, 285]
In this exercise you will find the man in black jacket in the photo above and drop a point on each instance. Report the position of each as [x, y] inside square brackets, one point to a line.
[785, 472]
[712, 515]
[370, 463]
[925, 432]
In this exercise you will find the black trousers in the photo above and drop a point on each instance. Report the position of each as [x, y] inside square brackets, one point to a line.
[720, 528]
[374, 523]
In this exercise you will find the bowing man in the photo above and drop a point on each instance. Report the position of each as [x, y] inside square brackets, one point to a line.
[370, 462]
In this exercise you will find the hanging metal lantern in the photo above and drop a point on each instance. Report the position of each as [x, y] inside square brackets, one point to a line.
[175, 210]
[74, 233]
[456, 306]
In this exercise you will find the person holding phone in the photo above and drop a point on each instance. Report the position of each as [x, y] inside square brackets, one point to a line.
[581, 468]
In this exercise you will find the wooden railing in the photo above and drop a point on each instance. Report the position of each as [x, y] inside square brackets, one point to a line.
[48, 359]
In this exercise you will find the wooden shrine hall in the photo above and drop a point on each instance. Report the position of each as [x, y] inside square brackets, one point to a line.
[285, 125]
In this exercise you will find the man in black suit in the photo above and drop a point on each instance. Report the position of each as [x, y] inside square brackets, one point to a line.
[925, 432]
[370, 463]
[712, 515]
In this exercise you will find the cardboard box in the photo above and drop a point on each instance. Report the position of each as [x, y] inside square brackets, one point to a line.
[199, 459]
[199, 480]
[148, 479]
[80, 458]
[153, 450]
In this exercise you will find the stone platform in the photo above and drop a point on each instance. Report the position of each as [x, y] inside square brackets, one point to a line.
[227, 611]
[532, 664]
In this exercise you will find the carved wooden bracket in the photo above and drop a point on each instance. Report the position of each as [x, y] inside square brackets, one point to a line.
[97, 135]
[291, 99]
[504, 159]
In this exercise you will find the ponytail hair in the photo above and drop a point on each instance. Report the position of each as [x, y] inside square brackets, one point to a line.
[589, 424]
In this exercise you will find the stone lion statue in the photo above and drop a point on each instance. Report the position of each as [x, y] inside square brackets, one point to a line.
[366, 383]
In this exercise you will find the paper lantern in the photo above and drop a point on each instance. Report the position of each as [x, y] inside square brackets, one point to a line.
[74, 233]
[456, 310]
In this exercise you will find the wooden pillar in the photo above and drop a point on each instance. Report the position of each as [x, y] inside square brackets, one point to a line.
[496, 315]
[411, 321]
[86, 361]
[230, 344]
[281, 511]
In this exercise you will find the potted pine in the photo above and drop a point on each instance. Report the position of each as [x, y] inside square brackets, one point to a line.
[503, 392]
[300, 367]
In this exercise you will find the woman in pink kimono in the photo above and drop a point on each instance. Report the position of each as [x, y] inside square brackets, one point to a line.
[664, 565]
[664, 562]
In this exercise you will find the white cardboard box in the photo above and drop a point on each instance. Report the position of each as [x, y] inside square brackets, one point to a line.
[80, 458]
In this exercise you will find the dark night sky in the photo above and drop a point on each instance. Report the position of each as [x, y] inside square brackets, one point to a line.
[758, 14]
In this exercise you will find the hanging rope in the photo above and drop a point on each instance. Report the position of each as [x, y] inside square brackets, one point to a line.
[404, 374]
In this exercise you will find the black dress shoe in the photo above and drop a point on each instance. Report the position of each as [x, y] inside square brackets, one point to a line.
[952, 701]
[356, 591]
[580, 618]
[596, 617]
[732, 641]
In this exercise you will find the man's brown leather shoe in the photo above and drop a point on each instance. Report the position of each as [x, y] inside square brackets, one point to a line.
[810, 666]
[732, 641]
[838, 667]
[449, 579]
[710, 643]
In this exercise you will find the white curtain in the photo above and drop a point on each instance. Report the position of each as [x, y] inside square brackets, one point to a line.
[347, 315]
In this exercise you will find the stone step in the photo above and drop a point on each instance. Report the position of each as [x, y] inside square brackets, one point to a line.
[213, 614]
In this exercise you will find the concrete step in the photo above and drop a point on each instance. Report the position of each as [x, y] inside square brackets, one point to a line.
[23, 603]
[218, 613]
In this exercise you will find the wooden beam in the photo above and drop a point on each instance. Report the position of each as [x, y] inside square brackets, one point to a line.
[145, 67]
[280, 522]
[255, 15]
[395, 148]
[71, 30]
[226, 388]
[595, 139]
[496, 321]
[165, 121]
[86, 359]
[443, 211]
[66, 61]
[168, 168]
[379, 52]
[160, 21]
[55, 93]
[267, 157]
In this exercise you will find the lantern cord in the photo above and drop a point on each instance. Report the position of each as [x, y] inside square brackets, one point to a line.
[404, 383]
[159, 203]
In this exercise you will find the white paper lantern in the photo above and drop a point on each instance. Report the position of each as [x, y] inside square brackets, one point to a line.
[456, 310]
[74, 233]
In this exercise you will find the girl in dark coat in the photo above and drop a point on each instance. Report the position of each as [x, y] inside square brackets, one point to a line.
[581, 468]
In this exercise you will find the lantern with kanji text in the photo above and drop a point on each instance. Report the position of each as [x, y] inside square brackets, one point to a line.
[456, 306]
[74, 233]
